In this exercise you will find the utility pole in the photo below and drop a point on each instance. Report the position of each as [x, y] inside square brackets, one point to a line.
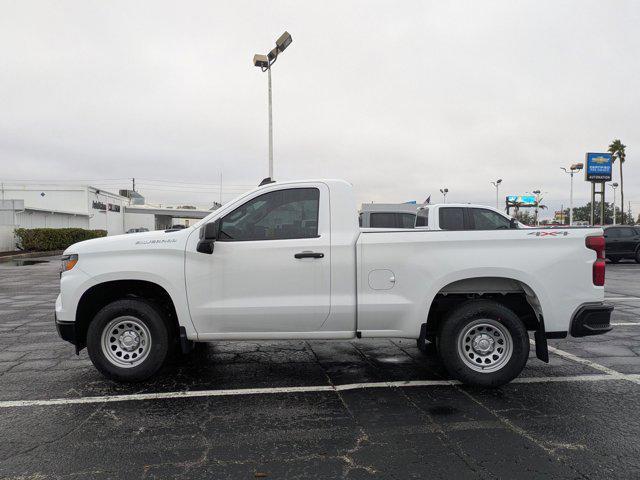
[572, 169]
[614, 185]
[133, 181]
[220, 188]
[270, 127]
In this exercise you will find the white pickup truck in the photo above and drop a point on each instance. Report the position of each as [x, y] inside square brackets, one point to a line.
[289, 261]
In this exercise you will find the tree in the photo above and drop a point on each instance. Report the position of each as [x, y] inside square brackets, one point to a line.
[526, 217]
[617, 151]
[583, 214]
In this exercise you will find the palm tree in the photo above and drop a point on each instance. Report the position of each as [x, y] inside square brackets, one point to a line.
[617, 151]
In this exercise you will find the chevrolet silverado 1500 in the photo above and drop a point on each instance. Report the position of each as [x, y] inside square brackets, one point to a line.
[289, 261]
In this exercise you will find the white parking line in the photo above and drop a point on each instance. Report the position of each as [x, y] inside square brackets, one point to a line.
[614, 299]
[287, 390]
[584, 361]
[596, 366]
[624, 323]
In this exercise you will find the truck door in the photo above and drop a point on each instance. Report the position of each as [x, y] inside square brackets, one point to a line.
[270, 268]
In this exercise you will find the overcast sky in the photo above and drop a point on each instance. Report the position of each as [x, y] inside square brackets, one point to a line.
[399, 98]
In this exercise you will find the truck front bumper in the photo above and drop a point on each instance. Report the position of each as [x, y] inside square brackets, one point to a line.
[591, 319]
[67, 331]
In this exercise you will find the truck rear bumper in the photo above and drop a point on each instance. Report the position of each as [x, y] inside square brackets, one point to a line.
[591, 319]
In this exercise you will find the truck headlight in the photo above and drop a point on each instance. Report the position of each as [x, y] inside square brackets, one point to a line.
[68, 262]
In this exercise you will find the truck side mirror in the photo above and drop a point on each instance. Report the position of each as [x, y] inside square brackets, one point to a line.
[513, 223]
[208, 236]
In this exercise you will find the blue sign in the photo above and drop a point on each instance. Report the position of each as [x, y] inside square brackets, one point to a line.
[598, 167]
[521, 200]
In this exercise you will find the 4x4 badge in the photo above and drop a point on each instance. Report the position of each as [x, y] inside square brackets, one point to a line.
[549, 234]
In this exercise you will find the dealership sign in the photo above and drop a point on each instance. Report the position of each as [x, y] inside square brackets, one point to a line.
[598, 167]
[104, 206]
[521, 200]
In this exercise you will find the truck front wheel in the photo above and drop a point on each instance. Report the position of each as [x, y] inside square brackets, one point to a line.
[483, 343]
[128, 340]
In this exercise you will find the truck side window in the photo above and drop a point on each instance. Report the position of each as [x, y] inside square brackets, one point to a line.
[391, 220]
[279, 215]
[451, 218]
[484, 219]
[406, 220]
[612, 232]
[382, 220]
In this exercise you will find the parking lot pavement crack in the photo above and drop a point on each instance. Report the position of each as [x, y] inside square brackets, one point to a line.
[362, 438]
[444, 438]
[350, 463]
[59, 437]
[550, 448]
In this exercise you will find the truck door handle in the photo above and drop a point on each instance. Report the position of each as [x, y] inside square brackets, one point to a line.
[309, 255]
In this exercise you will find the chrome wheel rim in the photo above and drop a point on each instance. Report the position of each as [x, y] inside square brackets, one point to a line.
[126, 341]
[485, 345]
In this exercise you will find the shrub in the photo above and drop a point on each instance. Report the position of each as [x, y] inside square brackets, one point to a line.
[47, 239]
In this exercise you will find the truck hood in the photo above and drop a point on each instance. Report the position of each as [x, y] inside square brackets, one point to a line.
[132, 241]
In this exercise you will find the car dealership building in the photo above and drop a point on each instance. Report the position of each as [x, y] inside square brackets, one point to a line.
[82, 206]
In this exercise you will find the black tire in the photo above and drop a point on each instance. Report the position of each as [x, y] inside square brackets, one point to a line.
[146, 315]
[614, 259]
[638, 255]
[463, 318]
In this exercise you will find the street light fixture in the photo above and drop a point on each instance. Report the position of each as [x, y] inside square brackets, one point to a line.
[444, 192]
[576, 167]
[497, 185]
[264, 63]
[614, 185]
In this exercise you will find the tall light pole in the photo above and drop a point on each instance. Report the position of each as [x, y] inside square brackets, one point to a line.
[444, 192]
[576, 167]
[497, 185]
[614, 185]
[264, 62]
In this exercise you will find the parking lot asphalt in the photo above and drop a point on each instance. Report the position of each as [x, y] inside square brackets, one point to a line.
[361, 409]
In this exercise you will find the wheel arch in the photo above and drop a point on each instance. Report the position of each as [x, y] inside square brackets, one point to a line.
[101, 294]
[512, 292]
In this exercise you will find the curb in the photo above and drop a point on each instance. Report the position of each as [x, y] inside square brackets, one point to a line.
[52, 253]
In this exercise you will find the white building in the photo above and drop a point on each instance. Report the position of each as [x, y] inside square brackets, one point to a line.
[82, 206]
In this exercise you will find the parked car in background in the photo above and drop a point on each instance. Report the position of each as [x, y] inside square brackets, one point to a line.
[622, 241]
[137, 230]
[388, 215]
[445, 216]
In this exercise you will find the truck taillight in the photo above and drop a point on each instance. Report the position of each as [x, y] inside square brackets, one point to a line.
[597, 244]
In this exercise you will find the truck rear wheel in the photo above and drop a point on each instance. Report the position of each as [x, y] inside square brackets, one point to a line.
[128, 340]
[483, 343]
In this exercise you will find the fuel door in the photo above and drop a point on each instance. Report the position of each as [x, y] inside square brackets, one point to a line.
[381, 279]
